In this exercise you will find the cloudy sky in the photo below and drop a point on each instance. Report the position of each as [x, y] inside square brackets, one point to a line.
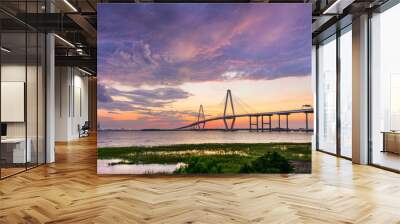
[158, 62]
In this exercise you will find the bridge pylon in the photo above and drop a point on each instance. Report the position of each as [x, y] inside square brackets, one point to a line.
[232, 117]
[200, 118]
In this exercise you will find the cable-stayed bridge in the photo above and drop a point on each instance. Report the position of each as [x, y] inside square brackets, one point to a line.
[258, 121]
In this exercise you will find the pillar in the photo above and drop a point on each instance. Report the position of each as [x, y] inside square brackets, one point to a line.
[306, 121]
[250, 123]
[257, 123]
[287, 122]
[279, 122]
[262, 123]
[50, 93]
[360, 90]
[270, 124]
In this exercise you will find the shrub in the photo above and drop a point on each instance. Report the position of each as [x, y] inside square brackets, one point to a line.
[200, 165]
[271, 162]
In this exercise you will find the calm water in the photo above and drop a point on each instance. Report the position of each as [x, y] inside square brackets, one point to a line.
[154, 138]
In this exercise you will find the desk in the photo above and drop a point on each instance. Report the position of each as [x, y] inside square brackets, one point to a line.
[391, 141]
[19, 155]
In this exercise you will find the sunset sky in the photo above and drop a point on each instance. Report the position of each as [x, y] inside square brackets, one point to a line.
[157, 63]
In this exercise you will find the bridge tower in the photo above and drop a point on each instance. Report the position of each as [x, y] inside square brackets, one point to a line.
[201, 117]
[232, 117]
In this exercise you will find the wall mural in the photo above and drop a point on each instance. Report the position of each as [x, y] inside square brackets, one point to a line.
[204, 88]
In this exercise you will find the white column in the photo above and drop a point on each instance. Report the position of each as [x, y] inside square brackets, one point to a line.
[50, 99]
[50, 92]
[360, 90]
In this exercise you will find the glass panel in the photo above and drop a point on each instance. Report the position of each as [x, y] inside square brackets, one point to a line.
[31, 98]
[32, 88]
[23, 90]
[13, 86]
[385, 92]
[346, 94]
[327, 96]
[41, 99]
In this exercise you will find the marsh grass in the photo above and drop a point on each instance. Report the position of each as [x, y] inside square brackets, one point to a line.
[208, 158]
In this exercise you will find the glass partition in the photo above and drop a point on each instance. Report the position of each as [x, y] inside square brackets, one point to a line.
[346, 92]
[41, 96]
[327, 95]
[385, 89]
[13, 94]
[31, 98]
[22, 88]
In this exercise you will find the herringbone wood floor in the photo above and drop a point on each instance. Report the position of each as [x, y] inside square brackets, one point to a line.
[70, 191]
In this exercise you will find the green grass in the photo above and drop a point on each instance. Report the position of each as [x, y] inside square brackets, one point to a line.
[220, 158]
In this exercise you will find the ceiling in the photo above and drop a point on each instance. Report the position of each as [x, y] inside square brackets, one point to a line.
[75, 21]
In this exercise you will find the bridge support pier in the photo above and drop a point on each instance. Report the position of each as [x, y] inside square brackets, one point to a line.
[256, 123]
[270, 123]
[232, 126]
[201, 117]
[287, 122]
[264, 123]
[306, 121]
[250, 123]
[279, 122]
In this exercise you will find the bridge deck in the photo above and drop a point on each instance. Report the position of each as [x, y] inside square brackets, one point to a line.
[285, 112]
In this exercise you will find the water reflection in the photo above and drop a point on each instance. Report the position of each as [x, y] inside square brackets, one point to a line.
[105, 167]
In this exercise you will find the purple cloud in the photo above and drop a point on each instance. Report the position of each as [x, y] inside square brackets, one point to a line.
[102, 95]
[140, 99]
[169, 44]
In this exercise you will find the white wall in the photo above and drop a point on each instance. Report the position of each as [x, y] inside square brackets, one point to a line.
[80, 109]
[62, 82]
[17, 73]
[71, 102]
[14, 73]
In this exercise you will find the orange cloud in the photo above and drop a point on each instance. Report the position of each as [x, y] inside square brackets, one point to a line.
[118, 115]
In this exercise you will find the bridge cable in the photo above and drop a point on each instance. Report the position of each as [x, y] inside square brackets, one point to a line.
[245, 105]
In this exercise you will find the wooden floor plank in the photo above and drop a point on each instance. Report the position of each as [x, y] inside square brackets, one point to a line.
[70, 191]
